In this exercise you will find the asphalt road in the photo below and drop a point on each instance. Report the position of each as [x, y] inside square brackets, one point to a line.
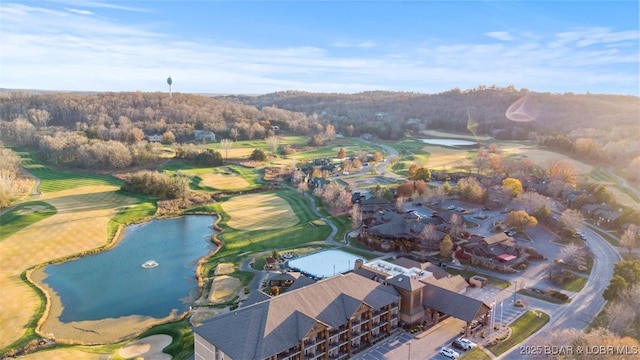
[586, 304]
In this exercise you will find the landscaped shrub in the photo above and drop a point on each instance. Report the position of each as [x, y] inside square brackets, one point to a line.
[558, 295]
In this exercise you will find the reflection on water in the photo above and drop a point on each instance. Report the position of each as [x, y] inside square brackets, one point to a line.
[113, 283]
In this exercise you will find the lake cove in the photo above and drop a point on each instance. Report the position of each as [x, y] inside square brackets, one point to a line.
[448, 142]
[150, 273]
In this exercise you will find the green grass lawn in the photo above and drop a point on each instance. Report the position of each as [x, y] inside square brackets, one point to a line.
[475, 354]
[182, 345]
[242, 241]
[574, 285]
[145, 208]
[24, 215]
[55, 180]
[525, 326]
[197, 172]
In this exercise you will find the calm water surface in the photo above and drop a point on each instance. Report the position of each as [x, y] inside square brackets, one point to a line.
[113, 283]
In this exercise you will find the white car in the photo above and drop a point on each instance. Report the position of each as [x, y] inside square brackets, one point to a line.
[470, 344]
[450, 353]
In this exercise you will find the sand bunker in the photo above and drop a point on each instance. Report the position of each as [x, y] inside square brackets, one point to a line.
[147, 348]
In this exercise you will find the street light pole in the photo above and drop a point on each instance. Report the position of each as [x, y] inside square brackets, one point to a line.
[409, 356]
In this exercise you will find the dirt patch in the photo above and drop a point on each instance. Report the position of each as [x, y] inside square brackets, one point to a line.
[147, 348]
[224, 269]
[259, 212]
[224, 288]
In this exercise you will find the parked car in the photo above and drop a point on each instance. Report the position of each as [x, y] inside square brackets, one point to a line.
[450, 353]
[451, 207]
[459, 345]
[470, 344]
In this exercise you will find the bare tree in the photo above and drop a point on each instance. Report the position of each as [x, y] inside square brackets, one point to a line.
[226, 145]
[574, 256]
[302, 187]
[457, 225]
[572, 219]
[631, 238]
[356, 216]
[429, 237]
[620, 316]
[272, 142]
[532, 201]
[234, 133]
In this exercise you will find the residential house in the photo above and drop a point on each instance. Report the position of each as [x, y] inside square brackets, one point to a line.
[155, 138]
[498, 251]
[204, 135]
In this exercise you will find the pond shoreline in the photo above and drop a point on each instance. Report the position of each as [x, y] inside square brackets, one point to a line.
[108, 330]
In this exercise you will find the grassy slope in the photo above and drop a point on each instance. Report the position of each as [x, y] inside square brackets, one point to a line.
[17, 218]
[525, 326]
[237, 242]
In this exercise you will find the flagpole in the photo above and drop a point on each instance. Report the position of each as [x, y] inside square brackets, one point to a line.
[501, 306]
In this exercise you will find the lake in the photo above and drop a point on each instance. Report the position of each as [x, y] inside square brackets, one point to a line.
[113, 283]
[448, 142]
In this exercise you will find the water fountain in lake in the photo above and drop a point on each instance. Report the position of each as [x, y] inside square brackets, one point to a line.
[150, 264]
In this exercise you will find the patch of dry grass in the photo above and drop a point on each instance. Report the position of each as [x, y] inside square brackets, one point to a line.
[223, 181]
[445, 156]
[65, 353]
[544, 158]
[224, 288]
[79, 225]
[259, 212]
[224, 269]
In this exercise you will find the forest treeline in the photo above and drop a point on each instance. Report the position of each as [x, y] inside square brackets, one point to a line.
[596, 128]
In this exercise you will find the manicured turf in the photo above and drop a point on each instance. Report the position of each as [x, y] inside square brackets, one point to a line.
[54, 180]
[182, 345]
[229, 177]
[574, 285]
[145, 208]
[237, 241]
[525, 326]
[24, 215]
[475, 354]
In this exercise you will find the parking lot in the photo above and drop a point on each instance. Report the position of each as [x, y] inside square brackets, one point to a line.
[425, 345]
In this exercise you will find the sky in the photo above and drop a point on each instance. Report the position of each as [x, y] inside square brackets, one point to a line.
[258, 47]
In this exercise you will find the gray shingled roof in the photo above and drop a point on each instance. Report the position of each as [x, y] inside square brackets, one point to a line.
[269, 327]
[457, 305]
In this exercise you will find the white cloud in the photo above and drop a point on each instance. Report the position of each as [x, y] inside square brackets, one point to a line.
[500, 35]
[368, 44]
[68, 50]
[81, 12]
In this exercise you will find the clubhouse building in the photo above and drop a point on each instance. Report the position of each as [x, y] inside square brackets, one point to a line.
[337, 317]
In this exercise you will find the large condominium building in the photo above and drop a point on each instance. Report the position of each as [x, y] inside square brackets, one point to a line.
[330, 319]
[338, 316]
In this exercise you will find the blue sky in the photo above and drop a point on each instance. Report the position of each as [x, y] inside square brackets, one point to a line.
[257, 47]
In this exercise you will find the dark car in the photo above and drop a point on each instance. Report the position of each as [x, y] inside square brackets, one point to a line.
[459, 345]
